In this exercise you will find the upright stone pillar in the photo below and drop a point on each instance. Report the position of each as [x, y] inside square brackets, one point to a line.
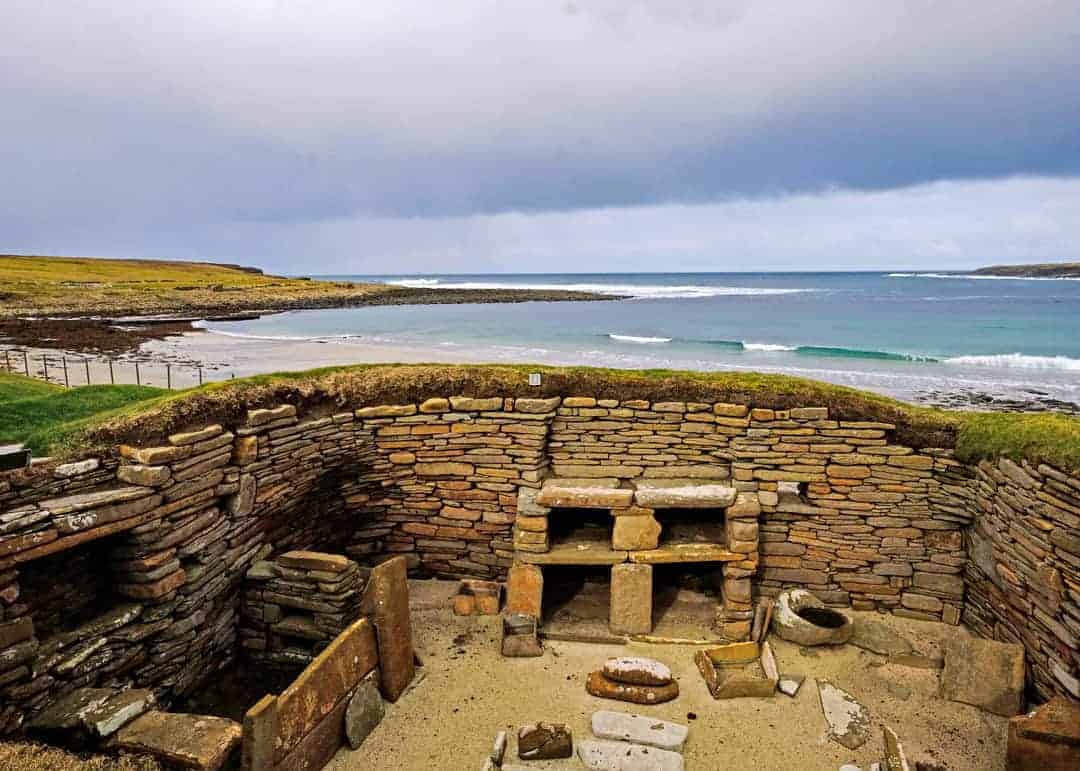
[631, 598]
[524, 590]
[741, 526]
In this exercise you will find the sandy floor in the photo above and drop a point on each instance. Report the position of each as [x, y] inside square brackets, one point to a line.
[469, 692]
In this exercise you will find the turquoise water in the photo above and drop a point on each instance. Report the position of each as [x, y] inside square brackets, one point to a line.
[899, 333]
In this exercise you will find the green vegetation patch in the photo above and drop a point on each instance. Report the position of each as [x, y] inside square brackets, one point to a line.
[150, 416]
[14, 387]
[1045, 437]
[41, 416]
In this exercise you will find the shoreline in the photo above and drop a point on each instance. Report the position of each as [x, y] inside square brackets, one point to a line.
[123, 332]
[210, 356]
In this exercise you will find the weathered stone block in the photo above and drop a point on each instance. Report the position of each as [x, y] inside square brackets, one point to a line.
[631, 599]
[985, 673]
[196, 742]
[636, 532]
[524, 590]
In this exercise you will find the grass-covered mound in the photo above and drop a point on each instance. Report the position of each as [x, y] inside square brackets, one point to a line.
[1048, 438]
[41, 415]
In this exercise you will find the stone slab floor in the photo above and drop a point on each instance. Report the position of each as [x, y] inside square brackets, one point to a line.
[469, 692]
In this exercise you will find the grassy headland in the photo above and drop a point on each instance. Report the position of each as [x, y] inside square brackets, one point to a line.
[67, 287]
[148, 414]
[1040, 270]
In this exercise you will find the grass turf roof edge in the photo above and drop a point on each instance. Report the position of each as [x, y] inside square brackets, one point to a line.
[1037, 437]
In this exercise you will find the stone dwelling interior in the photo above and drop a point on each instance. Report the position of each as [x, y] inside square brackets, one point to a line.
[238, 591]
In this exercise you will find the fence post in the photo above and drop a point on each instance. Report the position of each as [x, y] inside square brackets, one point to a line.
[26, 363]
[45, 363]
[7, 360]
[112, 377]
[87, 363]
[137, 373]
[200, 375]
[63, 359]
[168, 376]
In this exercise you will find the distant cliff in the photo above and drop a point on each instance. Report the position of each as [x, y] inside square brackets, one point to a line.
[1042, 270]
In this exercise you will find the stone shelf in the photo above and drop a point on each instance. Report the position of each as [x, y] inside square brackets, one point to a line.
[689, 551]
[582, 547]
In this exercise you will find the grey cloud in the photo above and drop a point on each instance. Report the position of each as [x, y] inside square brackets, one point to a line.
[154, 125]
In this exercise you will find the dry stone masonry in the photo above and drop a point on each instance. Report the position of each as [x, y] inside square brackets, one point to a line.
[173, 552]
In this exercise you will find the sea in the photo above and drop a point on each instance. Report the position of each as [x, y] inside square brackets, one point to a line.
[940, 338]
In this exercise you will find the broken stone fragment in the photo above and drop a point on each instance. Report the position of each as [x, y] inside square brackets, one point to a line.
[365, 710]
[519, 636]
[544, 741]
[848, 721]
[637, 670]
[605, 755]
[639, 729]
[498, 748]
[895, 759]
[599, 685]
[789, 684]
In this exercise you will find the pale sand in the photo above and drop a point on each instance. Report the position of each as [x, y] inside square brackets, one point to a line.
[469, 692]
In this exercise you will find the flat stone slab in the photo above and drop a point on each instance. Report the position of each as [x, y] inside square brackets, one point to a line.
[189, 741]
[637, 670]
[575, 553]
[584, 497]
[877, 637]
[606, 755]
[682, 494]
[686, 552]
[608, 482]
[984, 673]
[639, 729]
[849, 722]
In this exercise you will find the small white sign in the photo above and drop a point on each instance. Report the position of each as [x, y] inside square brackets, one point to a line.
[534, 378]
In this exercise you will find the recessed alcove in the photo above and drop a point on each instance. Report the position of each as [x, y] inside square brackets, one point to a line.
[568, 527]
[680, 526]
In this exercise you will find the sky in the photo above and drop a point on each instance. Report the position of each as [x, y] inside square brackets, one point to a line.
[394, 136]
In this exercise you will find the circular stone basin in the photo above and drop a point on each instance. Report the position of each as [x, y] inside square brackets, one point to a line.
[802, 618]
[823, 617]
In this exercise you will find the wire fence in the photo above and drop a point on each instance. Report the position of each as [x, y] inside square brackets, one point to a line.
[71, 370]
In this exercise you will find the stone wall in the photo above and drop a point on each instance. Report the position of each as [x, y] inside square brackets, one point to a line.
[1023, 569]
[848, 511]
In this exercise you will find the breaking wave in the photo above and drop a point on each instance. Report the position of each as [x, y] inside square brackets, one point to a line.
[635, 291]
[638, 339]
[1017, 361]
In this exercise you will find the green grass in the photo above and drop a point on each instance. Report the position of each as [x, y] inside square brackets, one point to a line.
[14, 387]
[41, 415]
[1052, 438]
[106, 415]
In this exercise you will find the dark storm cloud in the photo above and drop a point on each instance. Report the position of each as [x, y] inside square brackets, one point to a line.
[150, 127]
